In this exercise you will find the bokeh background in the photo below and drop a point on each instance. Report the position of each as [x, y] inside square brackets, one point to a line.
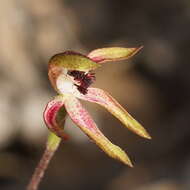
[154, 86]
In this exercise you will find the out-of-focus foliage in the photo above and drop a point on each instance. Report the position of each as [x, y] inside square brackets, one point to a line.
[154, 86]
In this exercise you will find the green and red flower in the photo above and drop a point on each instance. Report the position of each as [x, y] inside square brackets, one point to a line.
[71, 75]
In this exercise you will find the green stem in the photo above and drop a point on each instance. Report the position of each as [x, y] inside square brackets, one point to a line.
[51, 147]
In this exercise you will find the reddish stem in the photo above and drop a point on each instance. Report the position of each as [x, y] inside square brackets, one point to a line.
[40, 169]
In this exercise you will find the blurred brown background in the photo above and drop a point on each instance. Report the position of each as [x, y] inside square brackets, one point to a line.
[153, 86]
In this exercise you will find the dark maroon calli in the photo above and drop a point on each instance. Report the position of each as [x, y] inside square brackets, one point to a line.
[84, 80]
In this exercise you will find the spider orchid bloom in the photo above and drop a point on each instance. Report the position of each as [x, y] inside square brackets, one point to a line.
[71, 75]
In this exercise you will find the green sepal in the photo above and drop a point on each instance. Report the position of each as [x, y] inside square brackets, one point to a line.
[73, 61]
[111, 54]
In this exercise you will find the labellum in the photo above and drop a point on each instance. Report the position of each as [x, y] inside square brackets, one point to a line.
[83, 79]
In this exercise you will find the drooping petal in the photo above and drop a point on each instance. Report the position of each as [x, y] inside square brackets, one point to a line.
[84, 121]
[104, 99]
[103, 55]
[54, 116]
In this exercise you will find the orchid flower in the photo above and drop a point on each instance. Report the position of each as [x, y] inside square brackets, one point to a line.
[71, 75]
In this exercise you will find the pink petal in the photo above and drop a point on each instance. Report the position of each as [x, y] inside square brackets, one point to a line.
[111, 54]
[84, 121]
[54, 117]
[104, 99]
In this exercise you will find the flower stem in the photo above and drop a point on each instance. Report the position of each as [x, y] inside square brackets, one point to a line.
[51, 147]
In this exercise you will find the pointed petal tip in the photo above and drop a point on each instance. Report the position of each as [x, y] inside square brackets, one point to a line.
[128, 162]
[148, 137]
[130, 165]
[138, 129]
[120, 155]
[145, 135]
